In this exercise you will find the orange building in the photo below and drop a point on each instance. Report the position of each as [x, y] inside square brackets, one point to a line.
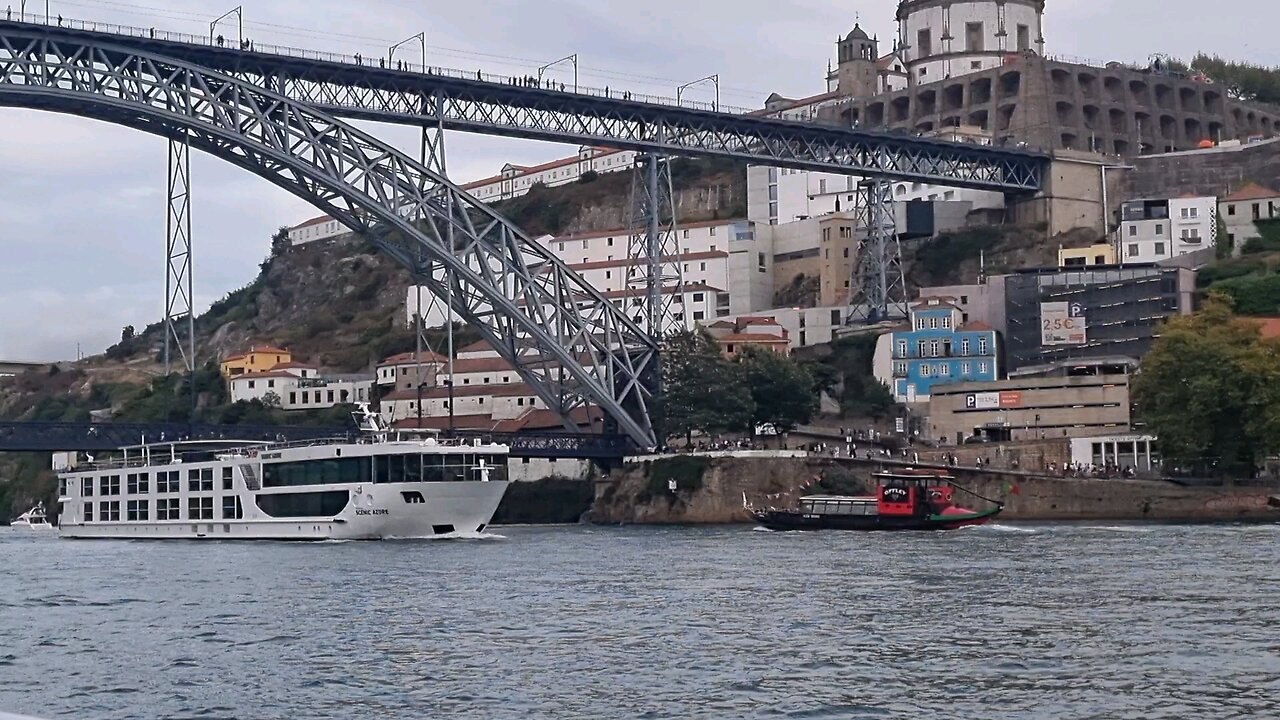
[256, 359]
[734, 336]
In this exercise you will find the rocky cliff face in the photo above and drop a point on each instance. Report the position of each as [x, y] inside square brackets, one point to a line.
[711, 491]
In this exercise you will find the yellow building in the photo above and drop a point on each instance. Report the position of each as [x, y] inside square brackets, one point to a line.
[257, 359]
[1100, 254]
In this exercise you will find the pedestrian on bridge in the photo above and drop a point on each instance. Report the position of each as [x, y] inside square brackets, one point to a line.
[221, 40]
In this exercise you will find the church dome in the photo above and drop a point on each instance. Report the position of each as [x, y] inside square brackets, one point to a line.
[857, 33]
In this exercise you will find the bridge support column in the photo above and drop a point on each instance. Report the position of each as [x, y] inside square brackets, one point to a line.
[878, 288]
[179, 318]
[655, 282]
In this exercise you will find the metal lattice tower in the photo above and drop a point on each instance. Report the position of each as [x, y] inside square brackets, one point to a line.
[179, 318]
[654, 281]
[878, 288]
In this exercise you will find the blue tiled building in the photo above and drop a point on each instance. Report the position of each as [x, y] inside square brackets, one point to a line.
[939, 349]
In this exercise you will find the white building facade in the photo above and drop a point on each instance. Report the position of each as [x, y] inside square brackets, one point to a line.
[516, 180]
[317, 228]
[943, 39]
[725, 269]
[1159, 229]
[294, 386]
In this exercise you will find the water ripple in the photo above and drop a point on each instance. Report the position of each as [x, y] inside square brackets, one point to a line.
[1000, 622]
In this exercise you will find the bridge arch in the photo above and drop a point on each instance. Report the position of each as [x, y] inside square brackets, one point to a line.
[562, 335]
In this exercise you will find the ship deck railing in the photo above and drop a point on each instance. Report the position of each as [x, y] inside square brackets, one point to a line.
[227, 449]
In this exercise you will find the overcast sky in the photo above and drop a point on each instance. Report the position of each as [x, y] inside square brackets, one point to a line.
[82, 203]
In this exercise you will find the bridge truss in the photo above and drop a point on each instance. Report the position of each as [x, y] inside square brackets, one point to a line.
[352, 87]
[565, 339]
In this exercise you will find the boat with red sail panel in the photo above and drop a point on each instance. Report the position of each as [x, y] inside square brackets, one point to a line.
[908, 499]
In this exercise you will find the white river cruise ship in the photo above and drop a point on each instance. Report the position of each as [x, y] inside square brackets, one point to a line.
[383, 485]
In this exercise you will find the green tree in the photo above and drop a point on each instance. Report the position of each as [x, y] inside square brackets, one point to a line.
[1222, 244]
[280, 241]
[783, 392]
[1209, 389]
[701, 391]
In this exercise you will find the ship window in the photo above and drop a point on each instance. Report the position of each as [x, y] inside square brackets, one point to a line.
[200, 508]
[138, 484]
[167, 482]
[316, 472]
[138, 510]
[109, 511]
[110, 485]
[227, 482]
[167, 509]
[307, 504]
[413, 497]
[88, 512]
[231, 509]
[86, 487]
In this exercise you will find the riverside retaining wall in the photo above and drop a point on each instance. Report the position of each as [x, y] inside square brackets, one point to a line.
[640, 493]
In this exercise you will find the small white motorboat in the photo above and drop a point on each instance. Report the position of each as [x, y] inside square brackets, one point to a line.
[33, 519]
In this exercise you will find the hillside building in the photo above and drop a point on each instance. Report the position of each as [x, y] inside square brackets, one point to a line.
[1160, 229]
[1061, 314]
[256, 359]
[1079, 398]
[939, 349]
[736, 336]
[1242, 209]
[297, 386]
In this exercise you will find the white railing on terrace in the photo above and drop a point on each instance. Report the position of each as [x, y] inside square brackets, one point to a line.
[372, 63]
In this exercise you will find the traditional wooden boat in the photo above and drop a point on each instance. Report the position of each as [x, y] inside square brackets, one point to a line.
[908, 499]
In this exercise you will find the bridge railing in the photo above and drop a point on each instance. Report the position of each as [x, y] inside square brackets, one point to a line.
[372, 63]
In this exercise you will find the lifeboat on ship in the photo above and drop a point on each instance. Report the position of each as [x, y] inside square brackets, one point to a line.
[908, 499]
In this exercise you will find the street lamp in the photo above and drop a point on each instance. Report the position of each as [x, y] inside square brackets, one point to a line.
[238, 11]
[714, 79]
[570, 59]
[420, 37]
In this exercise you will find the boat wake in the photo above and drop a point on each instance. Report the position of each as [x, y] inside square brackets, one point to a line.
[451, 536]
[994, 527]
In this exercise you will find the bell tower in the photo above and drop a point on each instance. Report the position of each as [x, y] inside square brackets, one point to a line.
[856, 55]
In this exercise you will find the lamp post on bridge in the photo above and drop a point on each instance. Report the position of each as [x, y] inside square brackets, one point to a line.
[569, 59]
[420, 37]
[238, 11]
[714, 79]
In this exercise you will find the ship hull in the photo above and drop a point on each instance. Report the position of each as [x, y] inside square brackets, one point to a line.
[786, 521]
[378, 512]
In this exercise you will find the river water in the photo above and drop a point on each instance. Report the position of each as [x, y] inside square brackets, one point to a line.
[1043, 621]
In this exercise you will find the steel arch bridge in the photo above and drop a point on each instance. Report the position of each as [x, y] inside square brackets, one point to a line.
[562, 335]
[479, 103]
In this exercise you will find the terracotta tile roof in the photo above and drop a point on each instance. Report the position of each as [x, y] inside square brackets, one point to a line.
[976, 325]
[407, 358]
[1268, 326]
[312, 221]
[546, 420]
[691, 287]
[438, 392]
[552, 165]
[753, 338]
[626, 232]
[462, 422]
[264, 376]
[1252, 191]
[627, 262]
[476, 346]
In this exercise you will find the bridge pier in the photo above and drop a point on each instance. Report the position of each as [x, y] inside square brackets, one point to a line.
[179, 318]
[878, 288]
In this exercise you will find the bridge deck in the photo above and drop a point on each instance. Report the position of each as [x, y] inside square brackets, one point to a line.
[357, 87]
